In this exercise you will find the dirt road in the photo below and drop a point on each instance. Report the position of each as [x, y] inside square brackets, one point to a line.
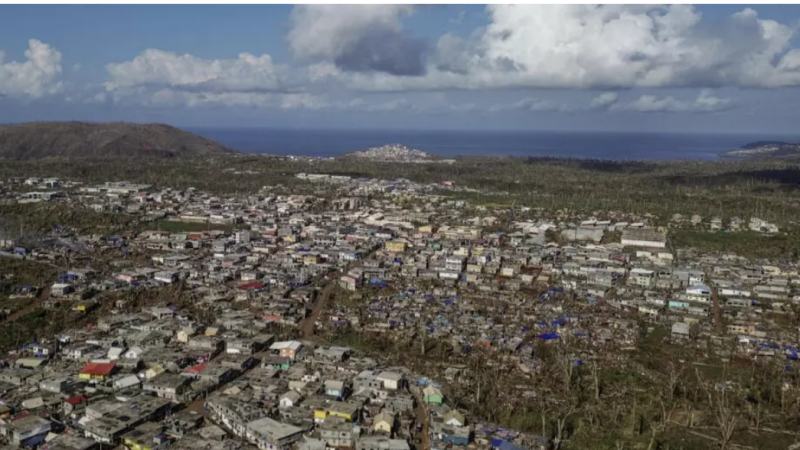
[422, 417]
[30, 307]
[307, 326]
[308, 323]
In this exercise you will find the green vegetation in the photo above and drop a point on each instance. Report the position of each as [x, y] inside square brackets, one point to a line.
[765, 189]
[749, 244]
[178, 227]
[37, 220]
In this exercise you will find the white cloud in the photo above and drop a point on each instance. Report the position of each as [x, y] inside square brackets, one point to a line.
[303, 101]
[158, 78]
[605, 47]
[37, 76]
[705, 102]
[187, 72]
[360, 38]
[165, 97]
[532, 105]
[603, 101]
[393, 106]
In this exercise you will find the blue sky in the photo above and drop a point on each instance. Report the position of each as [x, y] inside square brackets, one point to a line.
[718, 68]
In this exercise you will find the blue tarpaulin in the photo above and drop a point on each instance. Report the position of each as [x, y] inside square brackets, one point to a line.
[548, 336]
[34, 441]
[505, 445]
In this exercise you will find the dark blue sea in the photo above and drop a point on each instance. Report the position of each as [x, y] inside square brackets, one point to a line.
[615, 146]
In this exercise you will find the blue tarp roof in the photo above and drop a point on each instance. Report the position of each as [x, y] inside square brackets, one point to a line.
[505, 445]
[34, 441]
[549, 336]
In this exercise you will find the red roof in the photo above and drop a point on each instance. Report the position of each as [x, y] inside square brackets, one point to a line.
[99, 369]
[76, 400]
[196, 369]
[252, 285]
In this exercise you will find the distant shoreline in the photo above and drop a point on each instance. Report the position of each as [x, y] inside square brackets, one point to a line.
[446, 144]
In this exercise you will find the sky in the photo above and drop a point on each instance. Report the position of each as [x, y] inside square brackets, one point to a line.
[679, 68]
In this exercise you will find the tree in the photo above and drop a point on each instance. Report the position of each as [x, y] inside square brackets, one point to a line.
[725, 411]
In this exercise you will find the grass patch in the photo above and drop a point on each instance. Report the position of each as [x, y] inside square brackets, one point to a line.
[184, 227]
[745, 243]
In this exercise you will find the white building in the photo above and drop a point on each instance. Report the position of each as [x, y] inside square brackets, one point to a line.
[644, 237]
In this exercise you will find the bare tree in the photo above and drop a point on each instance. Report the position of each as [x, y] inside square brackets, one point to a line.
[725, 413]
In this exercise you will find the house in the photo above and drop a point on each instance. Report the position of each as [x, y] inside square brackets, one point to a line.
[242, 346]
[126, 382]
[396, 246]
[287, 349]
[180, 424]
[366, 380]
[148, 436]
[289, 399]
[432, 395]
[384, 422]
[332, 354]
[61, 290]
[698, 293]
[167, 385]
[97, 371]
[680, 330]
[644, 237]
[28, 431]
[66, 441]
[334, 388]
[345, 410]
[391, 380]
[381, 443]
[337, 432]
[454, 418]
[277, 362]
[269, 434]
[204, 347]
[166, 276]
[133, 353]
[455, 435]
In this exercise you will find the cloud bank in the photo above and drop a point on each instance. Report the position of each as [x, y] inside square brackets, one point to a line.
[37, 76]
[351, 57]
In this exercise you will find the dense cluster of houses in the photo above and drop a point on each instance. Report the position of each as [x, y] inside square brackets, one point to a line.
[158, 378]
[420, 266]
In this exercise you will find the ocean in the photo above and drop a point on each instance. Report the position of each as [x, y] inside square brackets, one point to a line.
[611, 146]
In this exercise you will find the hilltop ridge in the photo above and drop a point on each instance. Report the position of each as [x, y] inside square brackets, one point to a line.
[101, 140]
